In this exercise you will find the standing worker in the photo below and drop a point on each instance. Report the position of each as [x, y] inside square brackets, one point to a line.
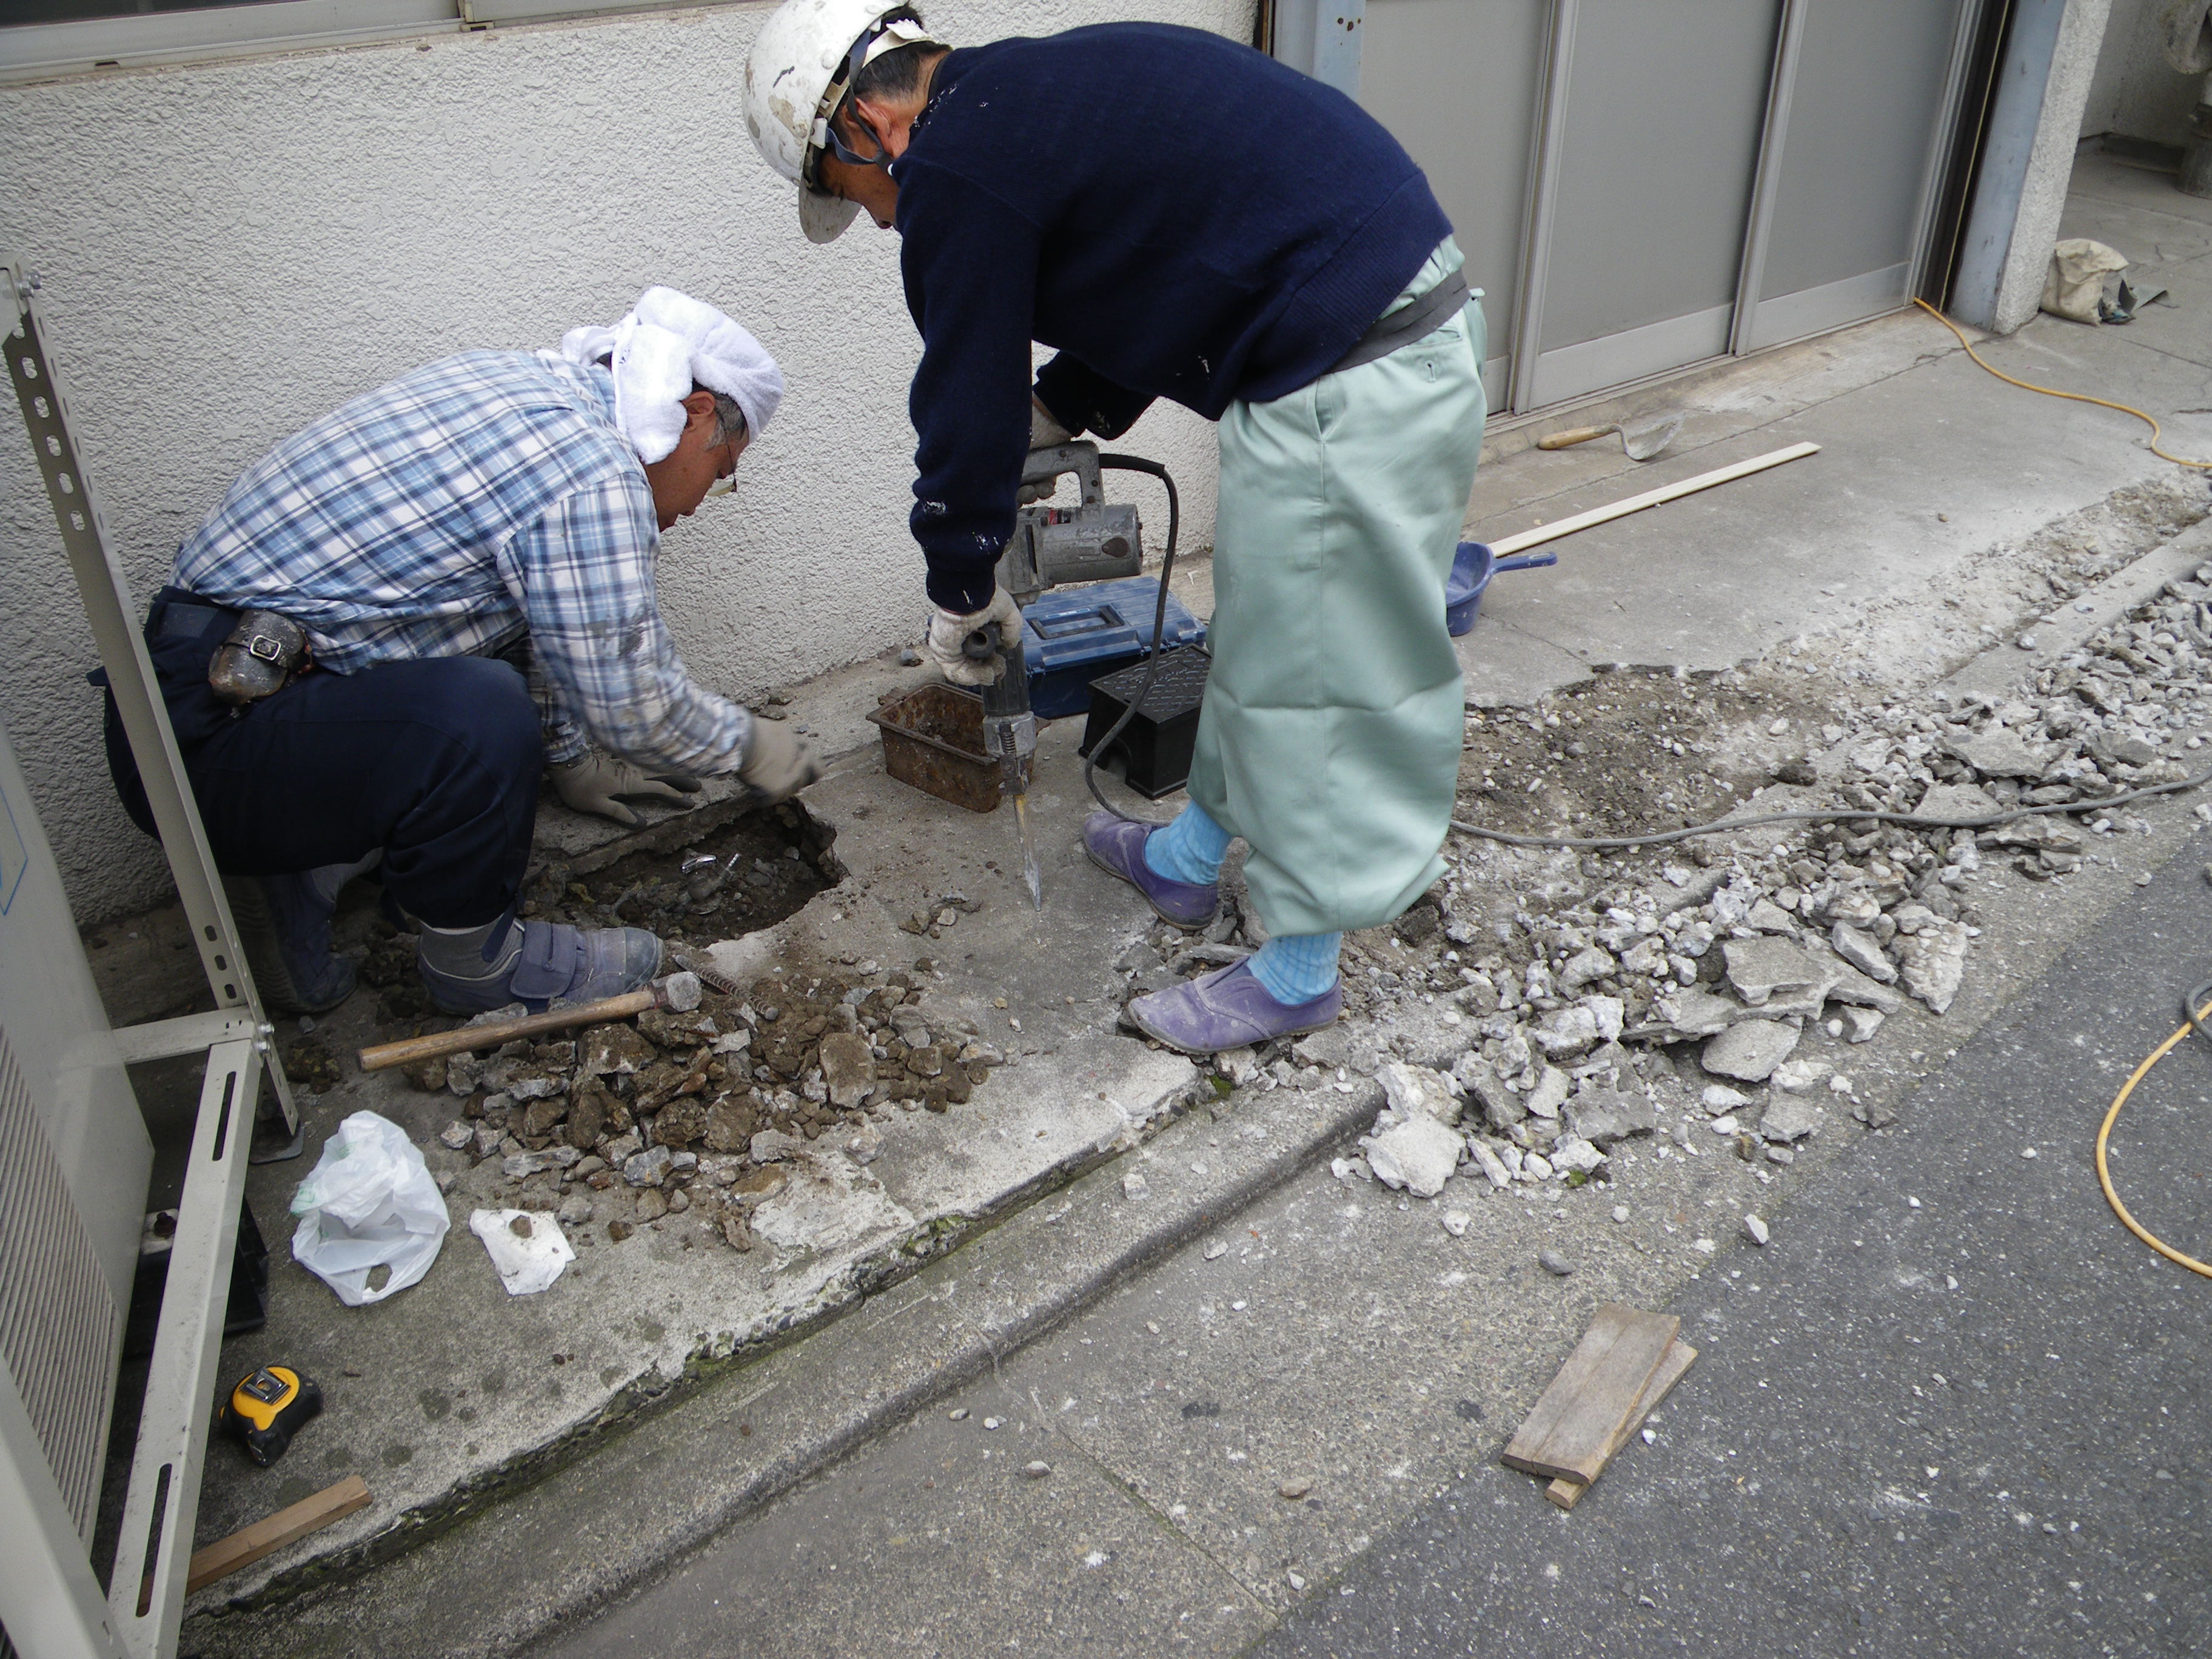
[1183, 217]
[330, 642]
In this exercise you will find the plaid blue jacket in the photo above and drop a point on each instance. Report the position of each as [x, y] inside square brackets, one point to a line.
[486, 497]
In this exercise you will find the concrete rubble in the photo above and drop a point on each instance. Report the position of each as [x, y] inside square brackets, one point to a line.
[1604, 998]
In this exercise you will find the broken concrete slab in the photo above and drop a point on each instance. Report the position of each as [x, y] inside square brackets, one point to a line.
[1565, 1032]
[1998, 752]
[848, 1067]
[1501, 1107]
[1750, 1050]
[1768, 917]
[1797, 1077]
[1932, 960]
[1957, 803]
[1852, 986]
[1693, 1012]
[829, 1203]
[1417, 1156]
[1604, 1116]
[1762, 969]
[1860, 1023]
[1789, 1118]
[1858, 948]
[1548, 1093]
[1416, 1091]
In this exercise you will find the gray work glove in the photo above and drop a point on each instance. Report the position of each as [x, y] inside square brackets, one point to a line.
[1045, 432]
[949, 631]
[590, 782]
[777, 764]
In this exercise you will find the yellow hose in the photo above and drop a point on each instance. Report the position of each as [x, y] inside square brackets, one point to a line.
[2105, 1174]
[2073, 397]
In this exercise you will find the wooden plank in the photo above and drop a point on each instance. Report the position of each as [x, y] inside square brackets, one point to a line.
[1673, 492]
[1567, 1493]
[1566, 1430]
[271, 1533]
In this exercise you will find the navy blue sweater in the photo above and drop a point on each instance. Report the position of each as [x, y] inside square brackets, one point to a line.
[1179, 216]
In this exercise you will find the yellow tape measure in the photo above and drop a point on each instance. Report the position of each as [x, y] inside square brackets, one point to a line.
[266, 1408]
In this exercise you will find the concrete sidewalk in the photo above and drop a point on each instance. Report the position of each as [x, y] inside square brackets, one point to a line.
[1845, 552]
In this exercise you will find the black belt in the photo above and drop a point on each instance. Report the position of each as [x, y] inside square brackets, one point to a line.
[1409, 323]
[184, 616]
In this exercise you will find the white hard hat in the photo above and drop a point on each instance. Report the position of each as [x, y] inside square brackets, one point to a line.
[800, 63]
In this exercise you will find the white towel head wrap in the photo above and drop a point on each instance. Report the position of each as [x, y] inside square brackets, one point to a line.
[667, 342]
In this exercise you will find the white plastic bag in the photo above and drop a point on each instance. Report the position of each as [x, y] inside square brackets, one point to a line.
[370, 1202]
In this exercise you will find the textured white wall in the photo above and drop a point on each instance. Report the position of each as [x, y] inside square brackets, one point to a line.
[2137, 93]
[230, 250]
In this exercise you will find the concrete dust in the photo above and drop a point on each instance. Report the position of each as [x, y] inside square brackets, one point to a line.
[2001, 592]
[1629, 754]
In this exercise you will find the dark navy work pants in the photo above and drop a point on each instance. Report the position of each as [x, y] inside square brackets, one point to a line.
[436, 761]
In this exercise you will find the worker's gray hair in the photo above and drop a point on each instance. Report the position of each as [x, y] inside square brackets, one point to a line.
[729, 419]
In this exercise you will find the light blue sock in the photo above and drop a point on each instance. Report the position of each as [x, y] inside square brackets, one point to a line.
[1298, 968]
[1188, 850]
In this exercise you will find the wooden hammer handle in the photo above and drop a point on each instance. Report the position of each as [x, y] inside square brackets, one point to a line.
[377, 1056]
[1573, 435]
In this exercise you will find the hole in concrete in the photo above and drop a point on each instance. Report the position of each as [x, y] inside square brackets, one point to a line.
[767, 863]
[766, 866]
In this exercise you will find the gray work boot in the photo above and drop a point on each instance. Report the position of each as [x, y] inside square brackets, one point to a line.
[284, 929]
[472, 970]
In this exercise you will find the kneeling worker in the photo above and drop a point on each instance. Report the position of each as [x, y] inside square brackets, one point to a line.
[1184, 218]
[390, 555]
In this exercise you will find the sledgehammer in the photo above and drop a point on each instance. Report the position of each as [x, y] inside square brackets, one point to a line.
[678, 991]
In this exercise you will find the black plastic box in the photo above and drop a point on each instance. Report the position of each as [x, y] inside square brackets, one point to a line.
[248, 1306]
[1156, 746]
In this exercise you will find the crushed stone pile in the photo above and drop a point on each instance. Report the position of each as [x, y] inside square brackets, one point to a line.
[716, 1106]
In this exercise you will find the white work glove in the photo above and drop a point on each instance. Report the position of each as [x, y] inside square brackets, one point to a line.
[590, 782]
[949, 631]
[777, 764]
[1046, 433]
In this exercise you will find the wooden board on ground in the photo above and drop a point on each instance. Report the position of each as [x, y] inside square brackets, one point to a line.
[271, 1533]
[1573, 1422]
[1567, 1493]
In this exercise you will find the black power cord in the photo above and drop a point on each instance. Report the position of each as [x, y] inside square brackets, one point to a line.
[1151, 469]
[1835, 815]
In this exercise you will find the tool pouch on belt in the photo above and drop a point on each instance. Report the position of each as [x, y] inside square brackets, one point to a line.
[263, 655]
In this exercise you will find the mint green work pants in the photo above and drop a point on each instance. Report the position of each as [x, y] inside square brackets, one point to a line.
[1329, 739]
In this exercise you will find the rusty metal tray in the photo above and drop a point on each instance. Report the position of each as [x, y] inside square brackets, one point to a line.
[933, 740]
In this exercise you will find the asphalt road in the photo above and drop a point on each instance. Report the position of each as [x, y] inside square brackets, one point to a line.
[1952, 1408]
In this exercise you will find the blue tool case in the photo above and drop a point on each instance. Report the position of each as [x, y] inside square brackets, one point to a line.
[1070, 636]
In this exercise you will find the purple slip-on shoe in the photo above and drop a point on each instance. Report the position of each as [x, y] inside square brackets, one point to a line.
[1228, 1009]
[1117, 847]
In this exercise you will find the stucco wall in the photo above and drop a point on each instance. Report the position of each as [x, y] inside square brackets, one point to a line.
[2136, 92]
[229, 250]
